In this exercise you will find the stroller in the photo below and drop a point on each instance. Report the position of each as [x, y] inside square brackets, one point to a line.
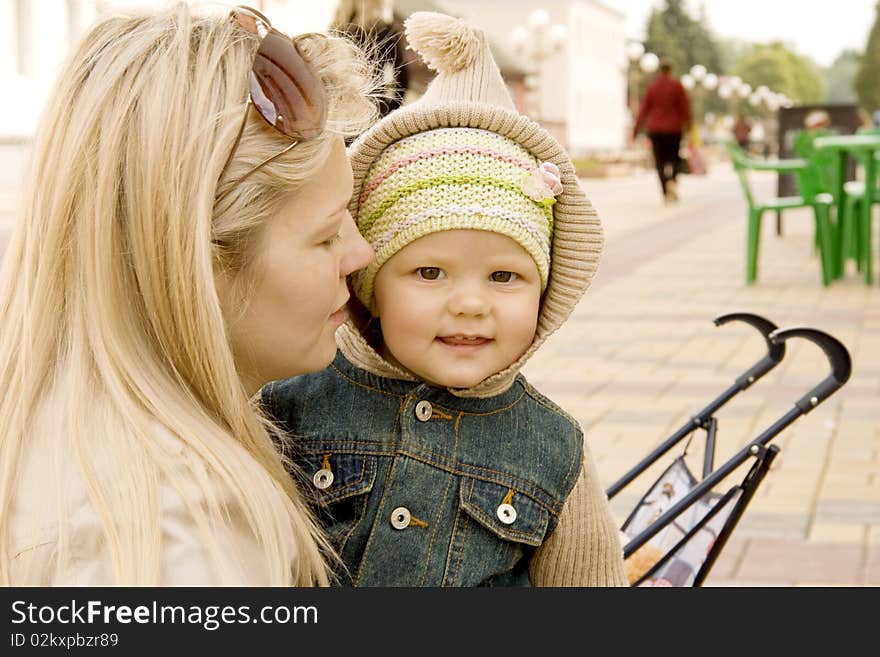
[678, 528]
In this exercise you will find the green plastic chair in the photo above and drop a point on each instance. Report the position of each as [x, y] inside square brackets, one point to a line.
[857, 238]
[824, 170]
[822, 178]
[810, 197]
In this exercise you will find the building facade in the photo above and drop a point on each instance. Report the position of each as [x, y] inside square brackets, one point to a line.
[581, 90]
[37, 35]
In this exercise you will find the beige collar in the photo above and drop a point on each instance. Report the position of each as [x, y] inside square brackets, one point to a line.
[360, 354]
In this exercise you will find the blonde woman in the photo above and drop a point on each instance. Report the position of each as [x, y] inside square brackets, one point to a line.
[185, 240]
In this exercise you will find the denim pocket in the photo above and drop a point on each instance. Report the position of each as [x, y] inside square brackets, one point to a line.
[353, 474]
[341, 504]
[483, 500]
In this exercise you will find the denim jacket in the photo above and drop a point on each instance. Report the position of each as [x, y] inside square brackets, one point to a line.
[419, 487]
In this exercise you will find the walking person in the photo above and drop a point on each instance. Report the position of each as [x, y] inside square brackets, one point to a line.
[184, 240]
[665, 114]
[742, 131]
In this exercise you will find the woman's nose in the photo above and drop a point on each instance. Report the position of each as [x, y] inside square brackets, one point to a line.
[358, 252]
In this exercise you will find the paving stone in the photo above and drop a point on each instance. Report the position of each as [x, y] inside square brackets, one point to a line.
[797, 562]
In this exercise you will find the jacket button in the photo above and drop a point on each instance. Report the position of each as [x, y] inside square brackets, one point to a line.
[424, 411]
[323, 478]
[400, 518]
[506, 513]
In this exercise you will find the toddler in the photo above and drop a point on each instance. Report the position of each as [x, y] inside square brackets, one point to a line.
[433, 460]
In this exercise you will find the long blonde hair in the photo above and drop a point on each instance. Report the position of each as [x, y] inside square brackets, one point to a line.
[110, 323]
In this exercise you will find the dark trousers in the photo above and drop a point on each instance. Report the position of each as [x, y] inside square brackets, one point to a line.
[666, 146]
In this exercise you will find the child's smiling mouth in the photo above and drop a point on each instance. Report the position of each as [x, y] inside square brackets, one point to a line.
[460, 340]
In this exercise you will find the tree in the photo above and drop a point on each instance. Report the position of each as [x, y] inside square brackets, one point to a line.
[731, 51]
[673, 33]
[839, 78]
[777, 67]
[867, 80]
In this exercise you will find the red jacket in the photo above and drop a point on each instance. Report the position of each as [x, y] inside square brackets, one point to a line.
[665, 107]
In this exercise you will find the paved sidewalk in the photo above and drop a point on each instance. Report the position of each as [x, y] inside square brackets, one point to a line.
[641, 355]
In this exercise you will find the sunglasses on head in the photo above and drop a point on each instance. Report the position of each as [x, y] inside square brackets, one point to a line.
[284, 89]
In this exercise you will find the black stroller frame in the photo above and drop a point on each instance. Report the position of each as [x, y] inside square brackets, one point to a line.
[699, 493]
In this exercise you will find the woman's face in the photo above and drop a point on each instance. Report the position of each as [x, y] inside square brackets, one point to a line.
[286, 324]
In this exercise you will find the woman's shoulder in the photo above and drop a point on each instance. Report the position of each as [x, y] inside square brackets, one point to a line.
[53, 497]
[49, 493]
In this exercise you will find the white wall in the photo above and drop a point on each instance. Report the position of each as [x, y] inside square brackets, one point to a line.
[583, 88]
[36, 36]
[499, 18]
[597, 78]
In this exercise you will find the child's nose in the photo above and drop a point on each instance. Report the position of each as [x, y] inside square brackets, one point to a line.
[468, 298]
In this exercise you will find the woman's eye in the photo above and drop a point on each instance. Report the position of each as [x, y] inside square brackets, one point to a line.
[502, 276]
[330, 241]
[429, 273]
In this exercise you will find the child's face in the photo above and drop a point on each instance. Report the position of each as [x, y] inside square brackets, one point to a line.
[458, 306]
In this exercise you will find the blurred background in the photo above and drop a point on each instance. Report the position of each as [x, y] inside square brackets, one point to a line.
[578, 66]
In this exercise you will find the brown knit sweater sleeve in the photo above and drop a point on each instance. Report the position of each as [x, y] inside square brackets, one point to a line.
[584, 548]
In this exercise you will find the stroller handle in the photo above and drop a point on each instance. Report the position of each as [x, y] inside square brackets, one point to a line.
[775, 353]
[775, 350]
[838, 358]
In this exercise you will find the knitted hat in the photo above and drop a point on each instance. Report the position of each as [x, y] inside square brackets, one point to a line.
[461, 156]
[455, 178]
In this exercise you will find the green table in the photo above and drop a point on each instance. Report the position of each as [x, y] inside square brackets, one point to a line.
[851, 145]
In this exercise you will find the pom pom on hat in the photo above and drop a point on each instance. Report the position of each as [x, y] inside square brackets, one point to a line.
[460, 53]
[446, 44]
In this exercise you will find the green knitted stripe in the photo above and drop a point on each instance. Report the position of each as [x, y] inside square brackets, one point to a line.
[367, 222]
[437, 166]
[488, 199]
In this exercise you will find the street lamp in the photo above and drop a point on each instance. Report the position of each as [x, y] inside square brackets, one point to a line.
[728, 90]
[537, 41]
[649, 62]
[640, 63]
[699, 80]
[698, 72]
[634, 52]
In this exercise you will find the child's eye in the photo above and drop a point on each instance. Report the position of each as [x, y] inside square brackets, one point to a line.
[430, 273]
[502, 276]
